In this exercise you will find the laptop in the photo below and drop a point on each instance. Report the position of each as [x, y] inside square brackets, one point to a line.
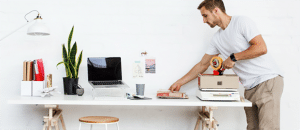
[105, 72]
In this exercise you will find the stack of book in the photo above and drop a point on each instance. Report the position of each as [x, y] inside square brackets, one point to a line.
[171, 95]
[33, 70]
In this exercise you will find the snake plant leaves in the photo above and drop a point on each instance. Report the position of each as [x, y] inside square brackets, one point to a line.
[67, 68]
[65, 60]
[70, 39]
[72, 54]
[78, 63]
[64, 52]
[72, 70]
[68, 71]
[69, 58]
[59, 63]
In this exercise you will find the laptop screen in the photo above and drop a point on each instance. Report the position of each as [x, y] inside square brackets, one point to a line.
[104, 68]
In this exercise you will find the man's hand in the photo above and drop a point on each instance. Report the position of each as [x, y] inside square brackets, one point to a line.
[175, 87]
[228, 63]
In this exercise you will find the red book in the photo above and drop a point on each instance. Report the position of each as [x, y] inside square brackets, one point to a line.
[39, 70]
[163, 94]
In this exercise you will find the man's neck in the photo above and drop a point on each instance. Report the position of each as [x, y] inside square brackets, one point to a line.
[224, 21]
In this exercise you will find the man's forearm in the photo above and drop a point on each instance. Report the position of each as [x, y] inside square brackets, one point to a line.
[258, 47]
[193, 73]
[252, 52]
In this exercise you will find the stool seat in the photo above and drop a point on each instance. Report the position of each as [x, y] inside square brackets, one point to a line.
[99, 119]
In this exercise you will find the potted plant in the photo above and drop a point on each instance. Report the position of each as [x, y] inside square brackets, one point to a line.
[71, 66]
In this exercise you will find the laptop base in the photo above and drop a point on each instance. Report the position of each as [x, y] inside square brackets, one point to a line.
[109, 93]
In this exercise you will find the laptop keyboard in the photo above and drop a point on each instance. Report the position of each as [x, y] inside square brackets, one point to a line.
[107, 83]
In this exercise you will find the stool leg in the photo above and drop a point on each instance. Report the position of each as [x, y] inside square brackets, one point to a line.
[79, 125]
[91, 126]
[118, 125]
[105, 126]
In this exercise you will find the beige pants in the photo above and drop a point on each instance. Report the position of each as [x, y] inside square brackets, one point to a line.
[265, 111]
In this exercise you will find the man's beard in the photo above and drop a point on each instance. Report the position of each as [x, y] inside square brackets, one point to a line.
[211, 25]
[214, 23]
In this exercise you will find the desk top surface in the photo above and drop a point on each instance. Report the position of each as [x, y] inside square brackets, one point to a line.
[88, 100]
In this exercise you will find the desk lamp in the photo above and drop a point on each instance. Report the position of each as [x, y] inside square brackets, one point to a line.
[37, 29]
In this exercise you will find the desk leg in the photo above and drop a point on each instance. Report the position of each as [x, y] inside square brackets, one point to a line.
[50, 118]
[49, 125]
[44, 127]
[203, 121]
[210, 119]
[207, 119]
[62, 122]
[56, 125]
[58, 115]
[45, 122]
[215, 125]
[197, 123]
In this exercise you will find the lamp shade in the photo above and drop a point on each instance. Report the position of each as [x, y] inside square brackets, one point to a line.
[38, 28]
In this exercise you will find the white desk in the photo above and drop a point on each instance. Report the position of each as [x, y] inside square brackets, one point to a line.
[88, 100]
[54, 101]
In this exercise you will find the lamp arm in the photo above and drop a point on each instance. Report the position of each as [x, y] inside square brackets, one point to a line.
[16, 30]
[30, 12]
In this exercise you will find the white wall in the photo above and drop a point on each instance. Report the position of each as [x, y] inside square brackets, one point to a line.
[172, 31]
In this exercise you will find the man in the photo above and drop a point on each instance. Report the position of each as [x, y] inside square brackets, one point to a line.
[239, 41]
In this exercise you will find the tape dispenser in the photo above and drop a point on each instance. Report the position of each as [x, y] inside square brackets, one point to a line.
[217, 64]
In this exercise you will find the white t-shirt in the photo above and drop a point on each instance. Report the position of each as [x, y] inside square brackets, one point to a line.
[235, 38]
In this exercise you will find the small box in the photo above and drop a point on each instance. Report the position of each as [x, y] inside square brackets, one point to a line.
[26, 88]
[37, 88]
[226, 81]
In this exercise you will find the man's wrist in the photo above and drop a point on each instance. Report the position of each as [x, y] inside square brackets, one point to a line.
[232, 57]
[180, 83]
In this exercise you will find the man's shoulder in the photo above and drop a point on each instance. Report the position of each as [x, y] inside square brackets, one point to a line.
[241, 18]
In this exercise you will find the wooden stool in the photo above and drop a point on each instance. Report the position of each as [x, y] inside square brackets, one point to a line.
[99, 120]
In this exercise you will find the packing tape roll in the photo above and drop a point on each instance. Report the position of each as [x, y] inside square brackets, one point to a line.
[216, 62]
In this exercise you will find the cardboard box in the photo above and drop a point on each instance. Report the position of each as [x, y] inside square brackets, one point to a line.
[226, 81]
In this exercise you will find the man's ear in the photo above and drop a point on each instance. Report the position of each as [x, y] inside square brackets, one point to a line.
[216, 9]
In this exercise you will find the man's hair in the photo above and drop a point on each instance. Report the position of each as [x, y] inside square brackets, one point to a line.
[212, 4]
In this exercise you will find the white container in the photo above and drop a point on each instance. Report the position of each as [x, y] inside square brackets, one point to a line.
[32, 88]
[26, 88]
[37, 87]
